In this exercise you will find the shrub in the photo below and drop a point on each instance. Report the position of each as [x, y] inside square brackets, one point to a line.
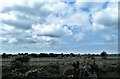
[46, 71]
[17, 68]
[20, 64]
[104, 55]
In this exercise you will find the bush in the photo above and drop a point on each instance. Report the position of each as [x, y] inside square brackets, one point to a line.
[17, 68]
[104, 55]
[20, 64]
[46, 71]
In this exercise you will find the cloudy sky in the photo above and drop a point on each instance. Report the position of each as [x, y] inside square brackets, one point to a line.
[58, 26]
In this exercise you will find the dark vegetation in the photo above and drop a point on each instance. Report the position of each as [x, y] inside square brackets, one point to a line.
[85, 67]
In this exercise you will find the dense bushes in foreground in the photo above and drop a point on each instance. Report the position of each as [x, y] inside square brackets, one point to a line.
[85, 68]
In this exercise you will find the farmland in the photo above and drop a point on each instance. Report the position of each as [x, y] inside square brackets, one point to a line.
[43, 60]
[85, 67]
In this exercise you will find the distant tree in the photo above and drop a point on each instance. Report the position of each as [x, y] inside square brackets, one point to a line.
[89, 55]
[72, 55]
[51, 54]
[34, 55]
[4, 55]
[78, 55]
[93, 54]
[67, 55]
[26, 54]
[20, 54]
[104, 55]
[62, 55]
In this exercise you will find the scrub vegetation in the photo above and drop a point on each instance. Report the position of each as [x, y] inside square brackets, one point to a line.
[54, 66]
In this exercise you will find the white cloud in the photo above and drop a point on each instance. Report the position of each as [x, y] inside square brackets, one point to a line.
[48, 41]
[12, 40]
[23, 16]
[77, 1]
[53, 30]
[77, 18]
[111, 38]
[7, 16]
[50, 24]
[98, 27]
[7, 28]
[106, 18]
[5, 3]
[79, 36]
[9, 3]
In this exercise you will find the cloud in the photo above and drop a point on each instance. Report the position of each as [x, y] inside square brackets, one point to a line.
[23, 16]
[22, 20]
[51, 24]
[9, 3]
[11, 35]
[12, 40]
[106, 18]
[53, 30]
[105, 21]
[111, 38]
[49, 41]
[98, 27]
[97, 1]
[79, 36]
[6, 28]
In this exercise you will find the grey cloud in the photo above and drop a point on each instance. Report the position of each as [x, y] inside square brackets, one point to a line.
[25, 9]
[26, 40]
[18, 24]
[47, 40]
[50, 35]
[107, 21]
[26, 15]
[36, 10]
[107, 17]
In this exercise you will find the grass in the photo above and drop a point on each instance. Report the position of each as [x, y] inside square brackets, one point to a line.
[46, 60]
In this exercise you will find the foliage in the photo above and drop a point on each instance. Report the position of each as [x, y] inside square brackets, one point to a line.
[86, 67]
[4, 55]
[46, 71]
[20, 64]
[104, 55]
[17, 68]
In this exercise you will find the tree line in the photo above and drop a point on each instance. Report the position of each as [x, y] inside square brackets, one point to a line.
[35, 55]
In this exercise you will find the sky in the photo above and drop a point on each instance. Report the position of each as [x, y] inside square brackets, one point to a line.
[58, 26]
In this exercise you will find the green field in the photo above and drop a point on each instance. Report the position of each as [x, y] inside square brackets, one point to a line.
[62, 59]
